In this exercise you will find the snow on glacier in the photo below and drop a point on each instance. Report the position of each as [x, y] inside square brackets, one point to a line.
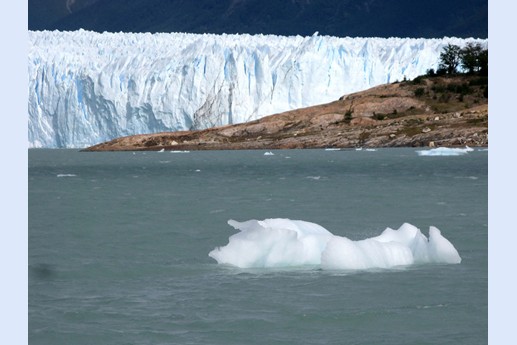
[86, 87]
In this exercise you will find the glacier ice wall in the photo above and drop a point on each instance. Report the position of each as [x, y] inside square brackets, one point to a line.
[86, 87]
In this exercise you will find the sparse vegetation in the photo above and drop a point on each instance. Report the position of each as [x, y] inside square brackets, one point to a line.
[410, 131]
[363, 137]
[419, 92]
[379, 117]
[478, 120]
[473, 59]
[418, 80]
[479, 81]
[348, 115]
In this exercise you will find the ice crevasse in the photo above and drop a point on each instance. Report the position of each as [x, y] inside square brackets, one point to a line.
[287, 243]
[87, 87]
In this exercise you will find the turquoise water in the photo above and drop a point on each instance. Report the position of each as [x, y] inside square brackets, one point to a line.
[119, 243]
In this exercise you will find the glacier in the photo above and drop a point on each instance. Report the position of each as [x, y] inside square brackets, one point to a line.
[86, 87]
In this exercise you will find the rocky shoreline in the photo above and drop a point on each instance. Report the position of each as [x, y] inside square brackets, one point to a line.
[428, 111]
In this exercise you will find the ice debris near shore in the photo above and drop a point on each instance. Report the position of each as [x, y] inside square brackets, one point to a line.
[286, 243]
[445, 151]
[86, 87]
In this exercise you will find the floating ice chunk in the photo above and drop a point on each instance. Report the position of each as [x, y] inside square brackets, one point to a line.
[440, 249]
[371, 150]
[285, 243]
[179, 151]
[467, 177]
[411, 237]
[332, 149]
[358, 148]
[66, 175]
[273, 243]
[162, 150]
[342, 253]
[269, 153]
[445, 151]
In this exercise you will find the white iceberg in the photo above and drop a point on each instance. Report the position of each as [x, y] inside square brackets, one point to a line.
[287, 243]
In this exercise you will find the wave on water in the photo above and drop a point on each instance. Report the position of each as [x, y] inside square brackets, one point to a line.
[287, 243]
[445, 151]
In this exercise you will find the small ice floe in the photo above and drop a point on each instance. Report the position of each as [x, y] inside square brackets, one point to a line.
[445, 151]
[431, 306]
[162, 150]
[483, 150]
[66, 175]
[179, 151]
[358, 148]
[371, 150]
[314, 177]
[467, 177]
[198, 170]
[332, 149]
[269, 153]
[216, 211]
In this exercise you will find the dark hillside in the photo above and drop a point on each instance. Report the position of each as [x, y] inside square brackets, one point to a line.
[364, 18]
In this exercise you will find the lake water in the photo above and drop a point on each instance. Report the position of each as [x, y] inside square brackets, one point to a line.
[119, 243]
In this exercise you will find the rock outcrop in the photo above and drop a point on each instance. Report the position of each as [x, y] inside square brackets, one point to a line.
[428, 111]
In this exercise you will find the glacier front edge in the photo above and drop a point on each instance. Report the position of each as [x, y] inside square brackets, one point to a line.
[87, 87]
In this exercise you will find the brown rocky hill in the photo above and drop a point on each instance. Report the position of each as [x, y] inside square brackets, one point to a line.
[427, 111]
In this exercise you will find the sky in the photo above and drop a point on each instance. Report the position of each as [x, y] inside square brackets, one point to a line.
[502, 174]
